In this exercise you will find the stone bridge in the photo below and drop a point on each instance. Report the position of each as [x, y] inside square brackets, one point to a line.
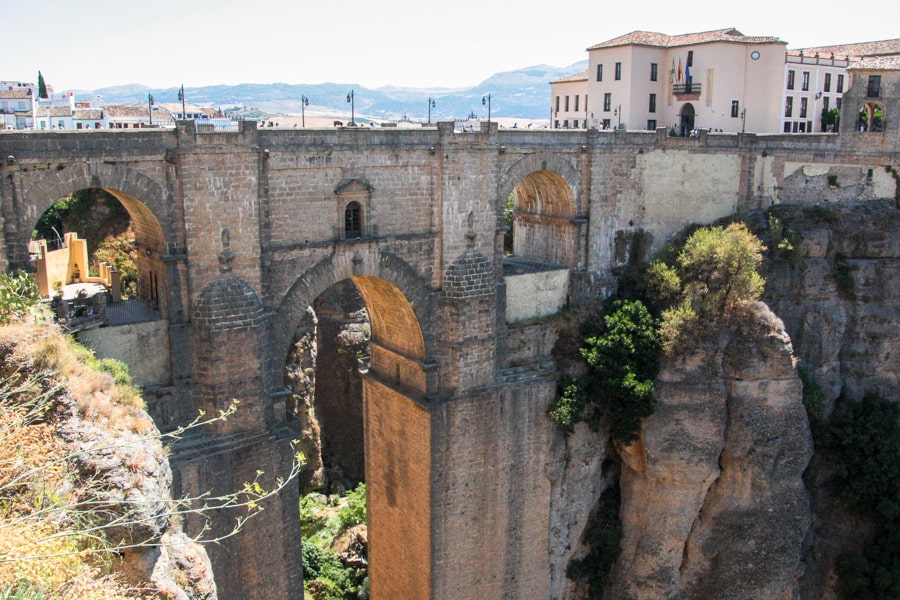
[240, 232]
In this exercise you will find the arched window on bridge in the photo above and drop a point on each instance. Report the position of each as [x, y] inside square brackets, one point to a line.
[353, 221]
[871, 117]
[353, 206]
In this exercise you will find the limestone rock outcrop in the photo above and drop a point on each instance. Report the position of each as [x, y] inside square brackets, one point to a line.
[841, 301]
[713, 502]
[839, 297]
[129, 472]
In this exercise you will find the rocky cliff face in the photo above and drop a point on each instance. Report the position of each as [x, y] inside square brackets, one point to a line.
[713, 502]
[97, 454]
[838, 298]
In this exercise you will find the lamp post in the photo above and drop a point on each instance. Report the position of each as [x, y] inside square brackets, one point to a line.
[743, 120]
[487, 100]
[150, 107]
[618, 113]
[431, 105]
[304, 102]
[181, 97]
[351, 99]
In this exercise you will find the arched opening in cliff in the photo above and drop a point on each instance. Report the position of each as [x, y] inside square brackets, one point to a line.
[540, 213]
[356, 375]
[102, 240]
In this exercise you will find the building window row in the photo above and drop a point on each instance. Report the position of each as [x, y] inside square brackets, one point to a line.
[798, 127]
[566, 103]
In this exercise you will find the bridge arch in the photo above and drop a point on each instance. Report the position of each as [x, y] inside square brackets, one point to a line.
[145, 201]
[544, 193]
[404, 282]
[395, 421]
[142, 197]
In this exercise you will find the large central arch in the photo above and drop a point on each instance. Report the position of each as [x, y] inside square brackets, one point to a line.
[396, 417]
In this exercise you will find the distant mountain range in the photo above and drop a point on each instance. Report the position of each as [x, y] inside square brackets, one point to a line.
[524, 93]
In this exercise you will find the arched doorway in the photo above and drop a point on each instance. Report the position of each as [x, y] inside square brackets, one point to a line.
[364, 367]
[686, 119]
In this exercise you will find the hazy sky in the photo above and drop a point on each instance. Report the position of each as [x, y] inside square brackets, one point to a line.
[88, 44]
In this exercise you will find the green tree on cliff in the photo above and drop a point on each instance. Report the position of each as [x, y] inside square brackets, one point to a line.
[714, 273]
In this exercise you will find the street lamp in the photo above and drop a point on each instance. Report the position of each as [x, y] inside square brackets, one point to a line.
[743, 120]
[618, 113]
[304, 102]
[150, 107]
[487, 100]
[431, 105]
[181, 98]
[351, 99]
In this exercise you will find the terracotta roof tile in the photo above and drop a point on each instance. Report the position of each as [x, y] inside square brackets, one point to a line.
[53, 111]
[574, 77]
[854, 51]
[651, 38]
[88, 114]
[886, 63]
[16, 94]
[119, 111]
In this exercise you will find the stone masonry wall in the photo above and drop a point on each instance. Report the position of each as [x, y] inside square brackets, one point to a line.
[429, 198]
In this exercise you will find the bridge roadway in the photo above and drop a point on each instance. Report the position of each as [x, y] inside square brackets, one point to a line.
[239, 232]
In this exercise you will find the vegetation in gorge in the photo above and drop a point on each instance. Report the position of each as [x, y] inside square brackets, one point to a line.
[863, 441]
[604, 536]
[324, 520]
[620, 349]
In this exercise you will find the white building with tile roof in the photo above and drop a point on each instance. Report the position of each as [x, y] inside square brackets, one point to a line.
[569, 103]
[815, 80]
[718, 80]
[16, 107]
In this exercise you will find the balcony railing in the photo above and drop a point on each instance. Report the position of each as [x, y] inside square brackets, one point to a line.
[686, 88]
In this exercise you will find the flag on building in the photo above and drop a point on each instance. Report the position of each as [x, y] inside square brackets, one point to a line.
[679, 71]
[672, 73]
[181, 94]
